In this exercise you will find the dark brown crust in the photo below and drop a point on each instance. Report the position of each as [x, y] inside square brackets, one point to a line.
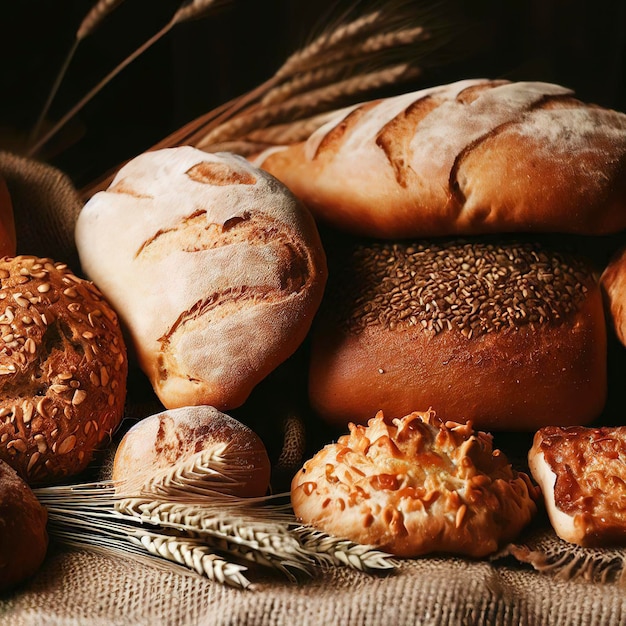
[23, 535]
[63, 369]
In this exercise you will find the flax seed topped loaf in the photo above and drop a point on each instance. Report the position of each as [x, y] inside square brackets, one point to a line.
[475, 156]
[508, 334]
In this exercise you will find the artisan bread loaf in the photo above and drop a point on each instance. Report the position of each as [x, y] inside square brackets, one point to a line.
[508, 334]
[23, 534]
[63, 369]
[225, 453]
[475, 156]
[7, 221]
[415, 485]
[582, 476]
[214, 266]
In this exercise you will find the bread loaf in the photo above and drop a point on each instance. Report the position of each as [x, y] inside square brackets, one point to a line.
[231, 456]
[613, 282]
[415, 485]
[216, 270]
[582, 476]
[23, 534]
[508, 334]
[475, 156]
[63, 369]
[7, 221]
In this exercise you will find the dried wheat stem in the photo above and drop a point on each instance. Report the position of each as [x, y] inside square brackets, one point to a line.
[308, 103]
[194, 555]
[95, 16]
[285, 134]
[193, 9]
[343, 34]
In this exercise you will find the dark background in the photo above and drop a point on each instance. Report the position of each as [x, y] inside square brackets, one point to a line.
[201, 64]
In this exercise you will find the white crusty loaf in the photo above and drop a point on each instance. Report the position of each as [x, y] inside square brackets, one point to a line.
[582, 476]
[214, 266]
[475, 156]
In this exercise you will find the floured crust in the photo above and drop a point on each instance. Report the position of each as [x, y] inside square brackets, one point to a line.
[475, 156]
[63, 369]
[23, 534]
[414, 486]
[160, 443]
[215, 267]
[582, 474]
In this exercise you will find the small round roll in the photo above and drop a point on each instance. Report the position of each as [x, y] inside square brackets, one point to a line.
[165, 447]
[23, 534]
[63, 369]
[413, 486]
[510, 335]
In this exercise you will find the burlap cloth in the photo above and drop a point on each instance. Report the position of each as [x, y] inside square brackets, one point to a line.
[568, 586]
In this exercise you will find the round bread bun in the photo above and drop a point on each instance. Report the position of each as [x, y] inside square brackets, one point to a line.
[63, 369]
[23, 534]
[509, 335]
[613, 283]
[7, 221]
[160, 448]
[413, 486]
[215, 267]
[582, 476]
[472, 157]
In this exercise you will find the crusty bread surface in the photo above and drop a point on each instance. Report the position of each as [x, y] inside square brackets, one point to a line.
[214, 266]
[474, 156]
[413, 486]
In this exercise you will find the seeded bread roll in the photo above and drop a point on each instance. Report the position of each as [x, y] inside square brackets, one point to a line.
[582, 476]
[63, 369]
[433, 162]
[7, 221]
[613, 282]
[214, 266]
[509, 335]
[23, 535]
[415, 485]
[162, 445]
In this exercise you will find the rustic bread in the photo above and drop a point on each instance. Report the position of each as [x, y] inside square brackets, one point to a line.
[23, 534]
[7, 221]
[161, 443]
[63, 369]
[475, 156]
[508, 334]
[582, 476]
[216, 270]
[613, 283]
[415, 485]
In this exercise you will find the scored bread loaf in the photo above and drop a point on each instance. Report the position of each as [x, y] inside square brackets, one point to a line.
[214, 266]
[508, 334]
[475, 156]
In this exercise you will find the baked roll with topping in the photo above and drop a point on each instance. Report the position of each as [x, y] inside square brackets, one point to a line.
[413, 486]
[582, 474]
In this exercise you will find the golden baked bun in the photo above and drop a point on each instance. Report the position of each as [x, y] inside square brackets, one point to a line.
[415, 485]
[471, 157]
[214, 266]
[613, 282]
[509, 335]
[23, 534]
[166, 443]
[582, 476]
[63, 369]
[7, 221]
